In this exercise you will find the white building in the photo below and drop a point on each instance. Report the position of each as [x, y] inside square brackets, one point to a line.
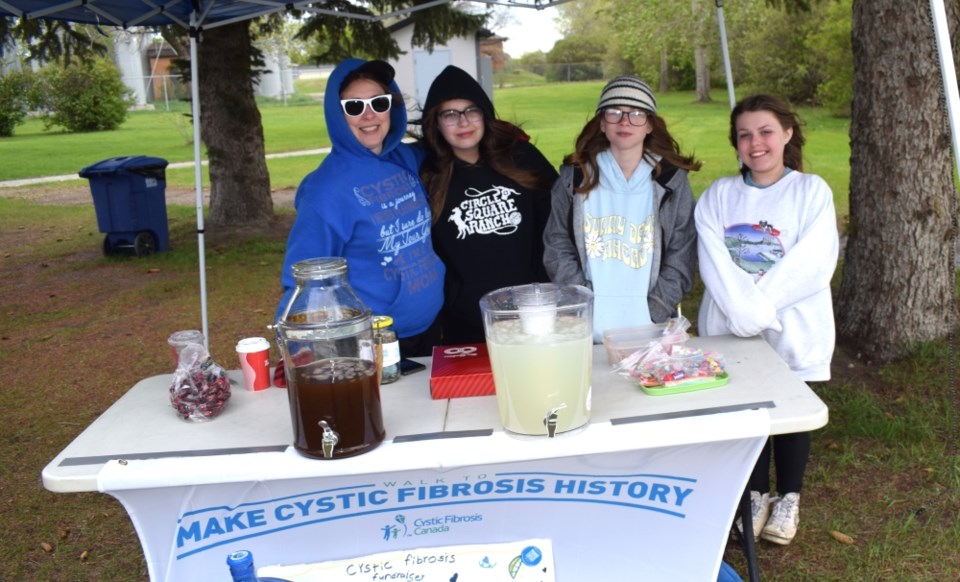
[417, 67]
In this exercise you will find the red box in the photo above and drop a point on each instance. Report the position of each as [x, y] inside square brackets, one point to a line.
[461, 370]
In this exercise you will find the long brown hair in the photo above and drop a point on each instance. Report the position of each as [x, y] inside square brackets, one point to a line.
[793, 151]
[658, 142]
[497, 148]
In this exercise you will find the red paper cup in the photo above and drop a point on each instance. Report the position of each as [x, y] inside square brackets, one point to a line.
[254, 354]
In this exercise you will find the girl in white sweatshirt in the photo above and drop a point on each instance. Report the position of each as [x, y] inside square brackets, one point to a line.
[768, 245]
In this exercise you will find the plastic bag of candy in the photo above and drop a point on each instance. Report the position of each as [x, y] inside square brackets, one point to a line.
[200, 387]
[670, 364]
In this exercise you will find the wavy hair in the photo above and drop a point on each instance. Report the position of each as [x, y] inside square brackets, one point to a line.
[786, 117]
[659, 142]
[497, 148]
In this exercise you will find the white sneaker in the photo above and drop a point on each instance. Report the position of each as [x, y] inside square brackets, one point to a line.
[782, 526]
[759, 512]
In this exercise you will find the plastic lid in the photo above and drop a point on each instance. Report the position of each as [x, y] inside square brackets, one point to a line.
[253, 344]
[539, 296]
[185, 336]
[239, 559]
[114, 165]
[380, 321]
[319, 267]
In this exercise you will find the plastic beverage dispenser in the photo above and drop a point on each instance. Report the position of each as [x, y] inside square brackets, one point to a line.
[326, 337]
[540, 339]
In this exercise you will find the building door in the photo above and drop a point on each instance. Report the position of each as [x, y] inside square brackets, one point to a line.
[426, 67]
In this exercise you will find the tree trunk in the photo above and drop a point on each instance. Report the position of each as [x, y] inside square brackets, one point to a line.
[231, 129]
[664, 72]
[898, 283]
[702, 63]
[953, 23]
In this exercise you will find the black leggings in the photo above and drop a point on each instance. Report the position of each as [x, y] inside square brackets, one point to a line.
[790, 455]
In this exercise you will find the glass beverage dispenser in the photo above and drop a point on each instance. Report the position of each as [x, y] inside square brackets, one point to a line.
[326, 337]
[540, 339]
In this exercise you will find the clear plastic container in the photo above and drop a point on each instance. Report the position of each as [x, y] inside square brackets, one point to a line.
[623, 341]
[540, 340]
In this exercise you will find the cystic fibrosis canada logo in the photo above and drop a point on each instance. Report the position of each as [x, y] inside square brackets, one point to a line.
[392, 532]
[439, 524]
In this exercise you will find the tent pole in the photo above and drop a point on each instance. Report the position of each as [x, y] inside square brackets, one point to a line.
[952, 94]
[726, 54]
[198, 174]
[948, 73]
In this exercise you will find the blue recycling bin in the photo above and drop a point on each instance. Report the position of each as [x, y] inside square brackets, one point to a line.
[129, 195]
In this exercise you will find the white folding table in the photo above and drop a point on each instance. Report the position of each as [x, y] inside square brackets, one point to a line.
[651, 484]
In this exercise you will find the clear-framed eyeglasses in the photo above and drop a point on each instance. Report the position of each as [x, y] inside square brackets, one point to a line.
[450, 117]
[637, 117]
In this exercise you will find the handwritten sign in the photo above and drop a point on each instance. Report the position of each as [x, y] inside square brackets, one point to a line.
[524, 561]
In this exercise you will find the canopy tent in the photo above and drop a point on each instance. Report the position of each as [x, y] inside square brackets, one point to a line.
[197, 15]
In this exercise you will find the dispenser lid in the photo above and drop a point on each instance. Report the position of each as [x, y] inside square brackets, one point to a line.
[536, 296]
[319, 267]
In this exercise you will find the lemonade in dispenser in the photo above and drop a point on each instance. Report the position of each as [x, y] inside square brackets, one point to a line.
[540, 340]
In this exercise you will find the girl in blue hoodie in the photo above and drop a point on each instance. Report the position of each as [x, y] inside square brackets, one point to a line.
[365, 202]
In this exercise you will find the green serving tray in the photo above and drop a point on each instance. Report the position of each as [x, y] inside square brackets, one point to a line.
[660, 390]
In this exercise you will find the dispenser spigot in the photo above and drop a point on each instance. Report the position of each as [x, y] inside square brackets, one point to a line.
[550, 420]
[330, 439]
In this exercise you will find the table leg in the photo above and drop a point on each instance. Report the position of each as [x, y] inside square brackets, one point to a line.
[746, 538]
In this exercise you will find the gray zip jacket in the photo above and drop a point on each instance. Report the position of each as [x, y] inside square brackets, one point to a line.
[675, 241]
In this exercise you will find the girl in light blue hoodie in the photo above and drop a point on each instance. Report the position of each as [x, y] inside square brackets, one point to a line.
[621, 219]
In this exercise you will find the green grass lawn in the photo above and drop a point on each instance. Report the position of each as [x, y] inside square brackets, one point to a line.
[552, 114]
[312, 85]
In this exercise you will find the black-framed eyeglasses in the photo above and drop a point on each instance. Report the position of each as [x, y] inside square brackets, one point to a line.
[355, 107]
[450, 117]
[637, 117]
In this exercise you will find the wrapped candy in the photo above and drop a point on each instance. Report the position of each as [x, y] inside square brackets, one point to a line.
[671, 363]
[200, 387]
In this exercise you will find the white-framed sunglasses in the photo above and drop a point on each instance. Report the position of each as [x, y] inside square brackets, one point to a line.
[378, 103]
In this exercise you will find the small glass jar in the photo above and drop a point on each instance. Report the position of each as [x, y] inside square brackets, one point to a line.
[388, 348]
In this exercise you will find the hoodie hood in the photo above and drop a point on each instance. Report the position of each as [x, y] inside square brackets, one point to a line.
[341, 137]
[455, 83]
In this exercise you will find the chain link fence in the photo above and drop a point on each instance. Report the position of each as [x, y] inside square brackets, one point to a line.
[534, 73]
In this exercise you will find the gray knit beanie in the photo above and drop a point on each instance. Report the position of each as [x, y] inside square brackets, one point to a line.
[627, 91]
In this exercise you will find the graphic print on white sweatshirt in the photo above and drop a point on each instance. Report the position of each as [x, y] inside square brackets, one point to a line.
[755, 248]
[491, 211]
